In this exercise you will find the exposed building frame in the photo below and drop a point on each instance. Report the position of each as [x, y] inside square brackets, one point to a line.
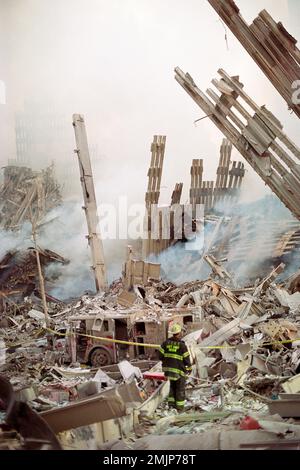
[153, 192]
[90, 204]
[228, 181]
[269, 44]
[258, 137]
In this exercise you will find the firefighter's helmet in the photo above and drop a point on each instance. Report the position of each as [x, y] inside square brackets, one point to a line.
[174, 329]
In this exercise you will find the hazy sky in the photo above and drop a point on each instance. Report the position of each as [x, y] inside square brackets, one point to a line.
[113, 61]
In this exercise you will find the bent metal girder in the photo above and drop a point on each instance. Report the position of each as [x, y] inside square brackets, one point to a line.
[258, 137]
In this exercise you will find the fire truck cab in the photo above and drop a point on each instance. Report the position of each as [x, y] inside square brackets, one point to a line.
[83, 345]
[134, 327]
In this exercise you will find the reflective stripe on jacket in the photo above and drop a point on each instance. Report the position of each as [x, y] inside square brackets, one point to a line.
[175, 358]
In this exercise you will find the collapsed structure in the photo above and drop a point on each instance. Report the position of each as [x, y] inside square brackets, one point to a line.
[269, 44]
[242, 342]
[25, 194]
[259, 138]
[19, 278]
[165, 226]
[90, 207]
[243, 338]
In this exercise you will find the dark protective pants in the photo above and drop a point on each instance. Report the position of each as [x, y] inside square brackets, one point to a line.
[177, 393]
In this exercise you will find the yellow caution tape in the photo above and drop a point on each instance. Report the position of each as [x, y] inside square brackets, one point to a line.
[157, 346]
[109, 340]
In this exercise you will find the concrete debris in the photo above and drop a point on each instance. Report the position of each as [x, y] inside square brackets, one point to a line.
[127, 299]
[287, 408]
[128, 371]
[278, 427]
[211, 439]
[288, 300]
[21, 427]
[292, 385]
[39, 316]
[242, 361]
[102, 378]
[137, 272]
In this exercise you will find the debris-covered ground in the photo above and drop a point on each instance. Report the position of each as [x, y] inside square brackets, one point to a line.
[88, 368]
[242, 340]
[246, 363]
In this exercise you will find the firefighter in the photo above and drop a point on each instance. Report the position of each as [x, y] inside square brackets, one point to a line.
[176, 364]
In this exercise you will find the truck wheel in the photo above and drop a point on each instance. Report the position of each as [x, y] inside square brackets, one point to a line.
[100, 358]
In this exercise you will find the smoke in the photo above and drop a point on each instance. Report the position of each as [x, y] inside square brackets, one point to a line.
[11, 241]
[183, 261]
[251, 245]
[250, 253]
[66, 234]
[179, 265]
[64, 231]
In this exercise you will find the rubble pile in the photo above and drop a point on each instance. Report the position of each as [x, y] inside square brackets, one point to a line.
[243, 344]
[21, 428]
[25, 193]
[19, 277]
